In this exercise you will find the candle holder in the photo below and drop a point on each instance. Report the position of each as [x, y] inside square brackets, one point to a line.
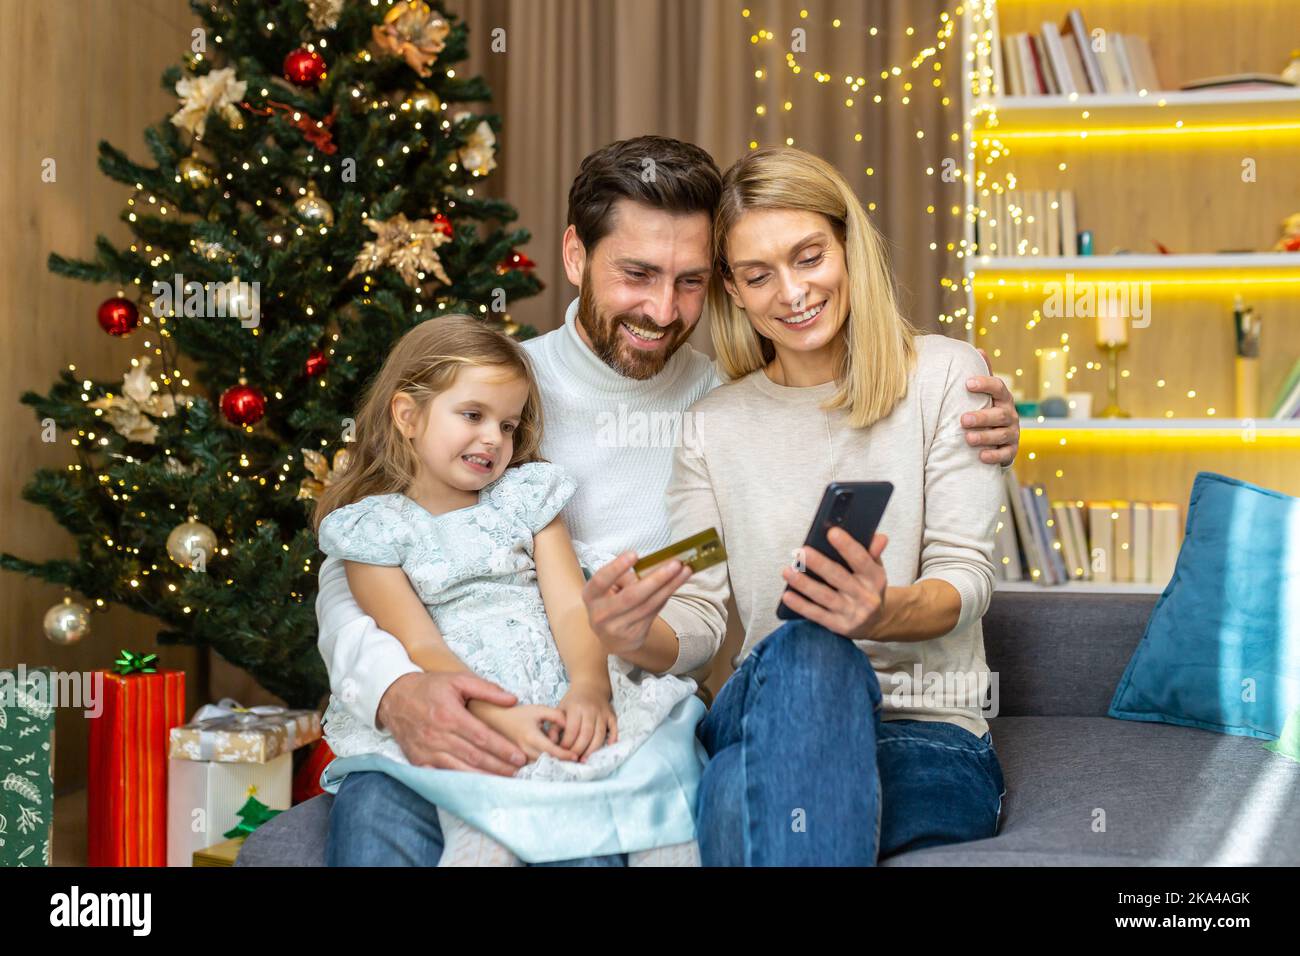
[1112, 409]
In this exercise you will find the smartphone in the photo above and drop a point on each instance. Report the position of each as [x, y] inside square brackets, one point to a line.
[855, 506]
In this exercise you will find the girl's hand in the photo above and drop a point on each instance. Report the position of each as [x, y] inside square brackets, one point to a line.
[589, 719]
[850, 602]
[522, 725]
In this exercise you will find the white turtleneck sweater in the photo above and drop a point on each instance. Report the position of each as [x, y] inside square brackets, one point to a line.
[614, 434]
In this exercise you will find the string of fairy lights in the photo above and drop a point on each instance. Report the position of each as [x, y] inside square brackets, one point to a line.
[988, 167]
[900, 83]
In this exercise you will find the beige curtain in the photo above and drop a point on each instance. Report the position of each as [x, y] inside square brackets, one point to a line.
[576, 74]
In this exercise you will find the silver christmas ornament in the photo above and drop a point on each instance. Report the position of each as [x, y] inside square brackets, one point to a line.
[67, 623]
[192, 544]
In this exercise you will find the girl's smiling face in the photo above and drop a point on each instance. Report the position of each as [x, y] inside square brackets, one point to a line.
[465, 438]
[788, 273]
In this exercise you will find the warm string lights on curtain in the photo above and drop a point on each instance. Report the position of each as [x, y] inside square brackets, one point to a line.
[899, 83]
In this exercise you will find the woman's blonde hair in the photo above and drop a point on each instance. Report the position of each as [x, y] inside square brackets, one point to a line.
[424, 362]
[879, 349]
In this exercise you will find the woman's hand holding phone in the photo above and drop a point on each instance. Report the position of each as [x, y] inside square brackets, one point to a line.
[850, 601]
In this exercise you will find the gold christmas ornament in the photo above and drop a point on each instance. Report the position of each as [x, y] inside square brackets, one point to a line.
[67, 623]
[129, 412]
[408, 245]
[412, 31]
[322, 474]
[312, 209]
[424, 101]
[200, 95]
[195, 173]
[192, 543]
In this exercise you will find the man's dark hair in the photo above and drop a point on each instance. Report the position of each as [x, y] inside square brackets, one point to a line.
[660, 172]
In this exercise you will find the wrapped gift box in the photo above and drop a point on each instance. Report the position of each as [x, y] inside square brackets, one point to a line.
[228, 733]
[127, 774]
[220, 854]
[204, 797]
[26, 767]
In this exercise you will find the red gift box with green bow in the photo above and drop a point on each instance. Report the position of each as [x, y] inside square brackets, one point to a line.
[127, 775]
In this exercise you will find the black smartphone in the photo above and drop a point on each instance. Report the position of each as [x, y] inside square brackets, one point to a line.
[855, 506]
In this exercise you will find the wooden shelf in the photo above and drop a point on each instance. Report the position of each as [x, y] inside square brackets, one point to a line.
[1157, 113]
[1078, 587]
[1236, 262]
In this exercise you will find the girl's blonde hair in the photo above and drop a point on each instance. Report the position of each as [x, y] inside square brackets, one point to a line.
[879, 349]
[424, 362]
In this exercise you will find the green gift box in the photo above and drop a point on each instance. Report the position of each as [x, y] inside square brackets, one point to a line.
[26, 767]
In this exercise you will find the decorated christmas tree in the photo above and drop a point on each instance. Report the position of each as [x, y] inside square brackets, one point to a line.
[317, 192]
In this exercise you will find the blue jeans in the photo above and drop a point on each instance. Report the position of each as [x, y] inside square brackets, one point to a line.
[378, 821]
[805, 773]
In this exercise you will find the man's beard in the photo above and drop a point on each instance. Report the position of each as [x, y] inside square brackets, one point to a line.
[607, 339]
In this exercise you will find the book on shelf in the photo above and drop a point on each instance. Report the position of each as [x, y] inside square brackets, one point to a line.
[1075, 32]
[1008, 567]
[1054, 542]
[1027, 223]
[1288, 398]
[1067, 59]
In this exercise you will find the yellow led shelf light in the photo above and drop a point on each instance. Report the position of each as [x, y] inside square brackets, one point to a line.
[1009, 282]
[1228, 436]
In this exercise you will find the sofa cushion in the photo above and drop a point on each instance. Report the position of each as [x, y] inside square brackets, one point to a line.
[1061, 653]
[1171, 796]
[1222, 649]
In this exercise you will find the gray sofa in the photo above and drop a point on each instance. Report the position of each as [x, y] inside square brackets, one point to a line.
[1166, 794]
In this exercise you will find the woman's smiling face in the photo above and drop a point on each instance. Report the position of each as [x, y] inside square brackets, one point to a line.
[789, 275]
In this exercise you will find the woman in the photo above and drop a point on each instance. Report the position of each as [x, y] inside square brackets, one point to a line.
[856, 732]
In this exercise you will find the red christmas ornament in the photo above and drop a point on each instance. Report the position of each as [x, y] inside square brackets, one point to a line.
[444, 225]
[118, 316]
[243, 405]
[303, 67]
[516, 260]
[316, 362]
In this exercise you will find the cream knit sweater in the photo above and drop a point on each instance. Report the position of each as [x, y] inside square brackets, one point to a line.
[762, 455]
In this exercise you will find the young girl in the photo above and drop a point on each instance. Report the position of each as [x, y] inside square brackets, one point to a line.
[449, 526]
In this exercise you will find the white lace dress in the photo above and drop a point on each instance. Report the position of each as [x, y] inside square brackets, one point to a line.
[473, 569]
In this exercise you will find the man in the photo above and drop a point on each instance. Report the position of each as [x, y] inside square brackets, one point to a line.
[638, 248]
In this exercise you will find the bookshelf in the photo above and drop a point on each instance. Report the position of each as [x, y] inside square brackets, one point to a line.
[1155, 166]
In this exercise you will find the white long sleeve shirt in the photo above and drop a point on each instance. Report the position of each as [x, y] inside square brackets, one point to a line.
[615, 435]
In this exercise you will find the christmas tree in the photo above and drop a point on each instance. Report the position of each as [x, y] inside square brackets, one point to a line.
[316, 194]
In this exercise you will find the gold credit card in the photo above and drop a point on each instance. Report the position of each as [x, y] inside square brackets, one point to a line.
[699, 551]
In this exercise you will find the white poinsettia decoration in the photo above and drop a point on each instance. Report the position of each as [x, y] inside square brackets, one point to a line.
[324, 14]
[129, 413]
[479, 154]
[200, 95]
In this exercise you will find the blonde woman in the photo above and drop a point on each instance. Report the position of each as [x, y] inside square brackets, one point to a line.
[858, 731]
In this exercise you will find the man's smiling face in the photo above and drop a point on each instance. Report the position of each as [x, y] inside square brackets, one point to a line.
[643, 286]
